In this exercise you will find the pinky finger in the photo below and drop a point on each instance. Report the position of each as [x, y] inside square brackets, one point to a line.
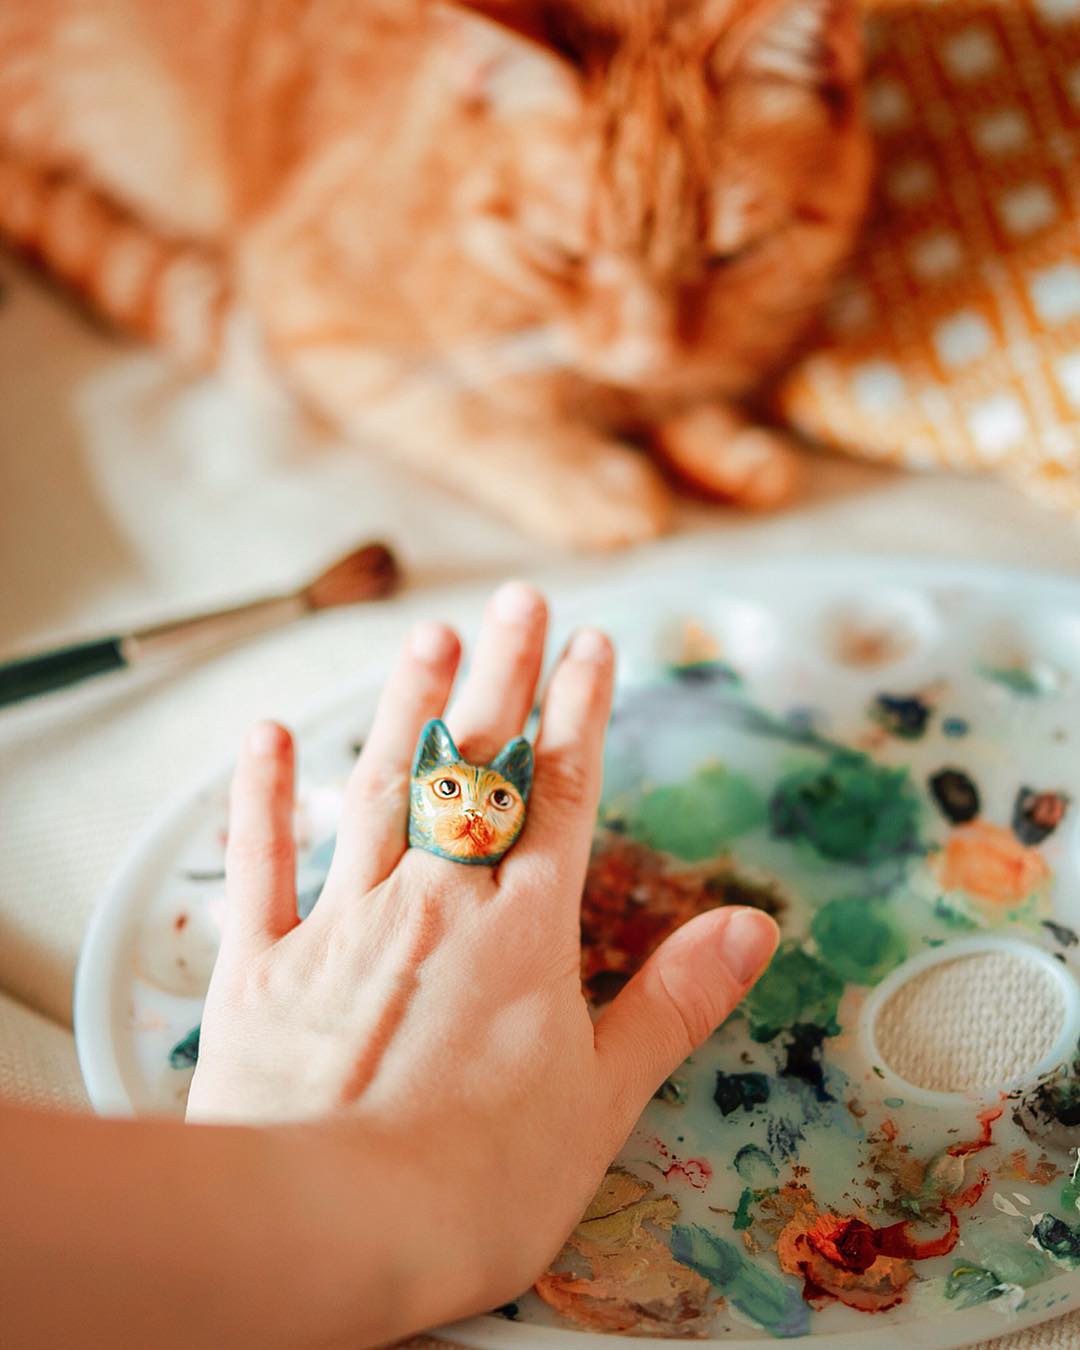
[260, 858]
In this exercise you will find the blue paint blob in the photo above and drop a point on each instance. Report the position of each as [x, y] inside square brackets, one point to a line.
[773, 1303]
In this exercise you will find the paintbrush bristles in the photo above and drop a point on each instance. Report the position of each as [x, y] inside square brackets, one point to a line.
[369, 573]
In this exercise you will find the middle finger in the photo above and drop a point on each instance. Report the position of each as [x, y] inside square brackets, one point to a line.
[497, 695]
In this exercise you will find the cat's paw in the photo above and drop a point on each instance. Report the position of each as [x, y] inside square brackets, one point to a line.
[611, 497]
[716, 451]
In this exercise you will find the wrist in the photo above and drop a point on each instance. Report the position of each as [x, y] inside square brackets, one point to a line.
[386, 1230]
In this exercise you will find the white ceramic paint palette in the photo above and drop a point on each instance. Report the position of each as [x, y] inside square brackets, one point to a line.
[885, 757]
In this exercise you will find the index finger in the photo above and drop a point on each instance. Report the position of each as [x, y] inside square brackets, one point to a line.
[555, 843]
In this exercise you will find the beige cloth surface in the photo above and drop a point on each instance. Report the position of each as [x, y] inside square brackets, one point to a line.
[126, 495]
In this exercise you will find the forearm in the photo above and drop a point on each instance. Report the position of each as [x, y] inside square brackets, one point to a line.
[157, 1234]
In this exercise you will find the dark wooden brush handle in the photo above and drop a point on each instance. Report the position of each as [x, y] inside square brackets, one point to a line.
[54, 670]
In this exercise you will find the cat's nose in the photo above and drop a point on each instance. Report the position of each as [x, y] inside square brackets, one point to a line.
[472, 813]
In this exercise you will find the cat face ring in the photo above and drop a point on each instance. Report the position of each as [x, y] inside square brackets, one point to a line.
[469, 813]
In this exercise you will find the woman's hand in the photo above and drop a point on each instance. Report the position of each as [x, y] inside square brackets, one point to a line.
[440, 1005]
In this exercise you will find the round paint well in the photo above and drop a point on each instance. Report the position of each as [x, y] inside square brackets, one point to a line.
[1029, 656]
[733, 633]
[1022, 1020]
[865, 633]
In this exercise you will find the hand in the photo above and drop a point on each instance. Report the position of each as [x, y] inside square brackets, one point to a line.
[440, 1005]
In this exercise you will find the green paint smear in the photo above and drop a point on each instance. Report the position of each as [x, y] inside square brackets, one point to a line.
[971, 1285]
[852, 810]
[796, 987]
[1070, 1192]
[185, 1053]
[772, 1303]
[952, 917]
[1012, 1262]
[755, 1166]
[856, 941]
[1017, 679]
[1058, 1240]
[699, 818]
[742, 1214]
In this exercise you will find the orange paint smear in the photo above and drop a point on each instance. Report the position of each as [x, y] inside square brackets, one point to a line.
[986, 1121]
[988, 861]
[847, 1259]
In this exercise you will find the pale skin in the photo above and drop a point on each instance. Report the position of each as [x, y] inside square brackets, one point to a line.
[402, 1105]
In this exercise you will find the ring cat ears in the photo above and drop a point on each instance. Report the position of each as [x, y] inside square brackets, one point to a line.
[436, 747]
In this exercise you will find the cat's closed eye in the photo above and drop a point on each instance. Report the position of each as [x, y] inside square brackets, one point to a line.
[447, 788]
[552, 256]
[722, 258]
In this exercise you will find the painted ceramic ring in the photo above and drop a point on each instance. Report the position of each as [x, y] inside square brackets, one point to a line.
[469, 813]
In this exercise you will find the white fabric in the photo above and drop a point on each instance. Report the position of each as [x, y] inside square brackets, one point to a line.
[126, 495]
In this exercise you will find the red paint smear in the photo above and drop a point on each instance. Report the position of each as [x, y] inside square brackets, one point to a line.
[854, 1246]
[866, 1267]
[986, 1120]
[697, 1171]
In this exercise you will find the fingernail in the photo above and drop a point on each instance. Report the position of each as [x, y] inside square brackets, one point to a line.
[267, 738]
[432, 642]
[516, 602]
[749, 940]
[589, 645]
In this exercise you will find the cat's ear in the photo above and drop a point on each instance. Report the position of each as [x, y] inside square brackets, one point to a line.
[560, 27]
[811, 43]
[515, 762]
[436, 747]
[520, 58]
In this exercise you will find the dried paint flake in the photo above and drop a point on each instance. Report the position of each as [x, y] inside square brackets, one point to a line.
[185, 1053]
[735, 1090]
[1036, 815]
[904, 716]
[1060, 1241]
[956, 795]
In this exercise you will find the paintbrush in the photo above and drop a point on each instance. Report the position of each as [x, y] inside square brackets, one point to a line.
[368, 573]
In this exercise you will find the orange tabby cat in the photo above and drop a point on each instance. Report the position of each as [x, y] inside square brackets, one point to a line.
[500, 237]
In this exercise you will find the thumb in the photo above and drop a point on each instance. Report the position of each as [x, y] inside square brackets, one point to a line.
[677, 1000]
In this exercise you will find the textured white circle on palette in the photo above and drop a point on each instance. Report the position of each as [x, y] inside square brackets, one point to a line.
[884, 755]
